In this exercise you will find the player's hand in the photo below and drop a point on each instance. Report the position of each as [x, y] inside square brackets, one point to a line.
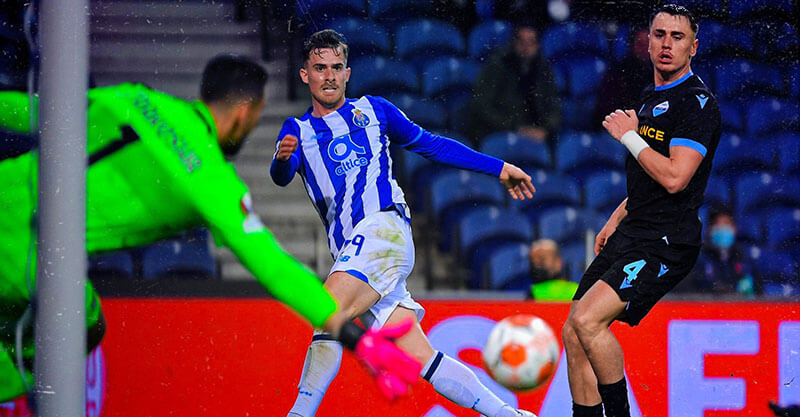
[286, 147]
[394, 370]
[619, 122]
[517, 182]
[602, 237]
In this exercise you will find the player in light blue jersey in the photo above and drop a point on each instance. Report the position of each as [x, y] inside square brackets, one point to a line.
[340, 147]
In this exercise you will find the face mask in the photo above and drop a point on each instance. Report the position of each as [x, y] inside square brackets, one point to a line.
[722, 236]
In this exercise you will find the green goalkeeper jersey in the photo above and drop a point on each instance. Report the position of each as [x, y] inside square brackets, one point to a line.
[154, 167]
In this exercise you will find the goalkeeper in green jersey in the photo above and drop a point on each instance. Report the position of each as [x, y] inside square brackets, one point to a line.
[156, 165]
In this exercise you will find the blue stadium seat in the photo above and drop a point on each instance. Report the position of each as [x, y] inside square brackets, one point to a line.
[741, 79]
[188, 256]
[718, 192]
[553, 189]
[450, 80]
[619, 43]
[451, 193]
[732, 118]
[604, 191]
[769, 116]
[517, 150]
[779, 272]
[745, 9]
[783, 228]
[794, 85]
[577, 113]
[509, 268]
[419, 173]
[485, 229]
[573, 39]
[585, 74]
[394, 13]
[723, 40]
[429, 114]
[364, 37]
[561, 76]
[376, 75]
[781, 40]
[117, 264]
[420, 40]
[574, 257]
[582, 154]
[758, 193]
[750, 229]
[322, 12]
[787, 147]
[737, 156]
[488, 36]
[569, 225]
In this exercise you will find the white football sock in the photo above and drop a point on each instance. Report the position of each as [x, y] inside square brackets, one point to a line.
[322, 364]
[454, 381]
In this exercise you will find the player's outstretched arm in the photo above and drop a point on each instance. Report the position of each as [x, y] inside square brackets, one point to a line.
[611, 226]
[393, 369]
[517, 182]
[285, 162]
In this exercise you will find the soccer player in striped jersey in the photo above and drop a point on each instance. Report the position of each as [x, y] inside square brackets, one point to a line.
[340, 147]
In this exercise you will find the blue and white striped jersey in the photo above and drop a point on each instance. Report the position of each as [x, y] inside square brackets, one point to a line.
[343, 158]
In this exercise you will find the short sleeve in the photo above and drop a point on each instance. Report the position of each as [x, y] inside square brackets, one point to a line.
[698, 120]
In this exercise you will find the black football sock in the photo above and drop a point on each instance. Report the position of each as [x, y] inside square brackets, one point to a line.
[615, 399]
[587, 411]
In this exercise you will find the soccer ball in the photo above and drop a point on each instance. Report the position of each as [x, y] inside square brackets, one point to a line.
[521, 352]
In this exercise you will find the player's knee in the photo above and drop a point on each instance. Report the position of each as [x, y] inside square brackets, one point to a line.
[584, 325]
[568, 335]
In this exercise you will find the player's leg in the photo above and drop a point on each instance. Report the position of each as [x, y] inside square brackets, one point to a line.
[324, 355]
[449, 377]
[582, 380]
[590, 319]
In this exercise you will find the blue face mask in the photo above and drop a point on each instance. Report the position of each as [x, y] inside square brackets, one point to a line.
[722, 236]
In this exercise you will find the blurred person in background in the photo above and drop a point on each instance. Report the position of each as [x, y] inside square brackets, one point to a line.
[516, 90]
[547, 272]
[340, 148]
[722, 266]
[157, 165]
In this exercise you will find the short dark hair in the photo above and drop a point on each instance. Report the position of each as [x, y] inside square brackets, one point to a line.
[676, 10]
[231, 78]
[325, 39]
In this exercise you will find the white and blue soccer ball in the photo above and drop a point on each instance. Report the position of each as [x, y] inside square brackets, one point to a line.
[521, 352]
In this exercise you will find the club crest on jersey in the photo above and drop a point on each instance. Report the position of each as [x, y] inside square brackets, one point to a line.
[359, 118]
[660, 109]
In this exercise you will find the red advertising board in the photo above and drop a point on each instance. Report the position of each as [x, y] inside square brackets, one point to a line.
[243, 357]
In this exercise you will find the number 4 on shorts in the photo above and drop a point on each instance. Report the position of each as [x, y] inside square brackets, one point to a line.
[632, 270]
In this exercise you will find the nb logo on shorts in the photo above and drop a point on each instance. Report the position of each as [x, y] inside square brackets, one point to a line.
[345, 258]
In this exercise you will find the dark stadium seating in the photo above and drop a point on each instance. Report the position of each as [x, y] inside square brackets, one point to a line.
[425, 112]
[574, 39]
[364, 37]
[452, 193]
[394, 13]
[487, 37]
[569, 225]
[508, 268]
[733, 120]
[421, 40]
[738, 155]
[450, 80]
[581, 154]
[188, 256]
[760, 192]
[379, 76]
[786, 145]
[769, 115]
[718, 192]
[604, 191]
[783, 228]
[482, 231]
[517, 150]
[112, 265]
[322, 12]
[553, 189]
[743, 80]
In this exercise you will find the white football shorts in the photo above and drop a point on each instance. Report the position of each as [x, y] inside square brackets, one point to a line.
[380, 252]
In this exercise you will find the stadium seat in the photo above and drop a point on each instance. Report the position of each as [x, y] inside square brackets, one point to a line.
[421, 40]
[569, 225]
[584, 74]
[767, 116]
[760, 192]
[509, 268]
[379, 76]
[364, 37]
[485, 229]
[778, 271]
[553, 189]
[394, 13]
[749, 9]
[577, 113]
[736, 156]
[794, 85]
[322, 12]
[718, 192]
[517, 150]
[783, 228]
[787, 147]
[581, 154]
[488, 36]
[700, 8]
[723, 40]
[743, 80]
[422, 111]
[450, 80]
[188, 256]
[574, 257]
[574, 39]
[732, 118]
[750, 229]
[117, 264]
[451, 193]
[604, 191]
[781, 40]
